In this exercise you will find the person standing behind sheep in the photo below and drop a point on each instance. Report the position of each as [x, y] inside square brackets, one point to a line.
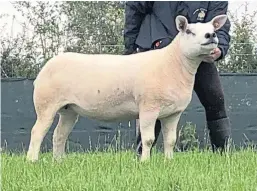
[151, 25]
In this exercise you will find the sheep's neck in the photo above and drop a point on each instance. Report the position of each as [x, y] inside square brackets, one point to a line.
[186, 66]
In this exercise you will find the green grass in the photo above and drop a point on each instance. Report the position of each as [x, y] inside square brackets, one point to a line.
[107, 171]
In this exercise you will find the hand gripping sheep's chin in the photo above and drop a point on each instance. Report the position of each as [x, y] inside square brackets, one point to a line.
[207, 50]
[147, 86]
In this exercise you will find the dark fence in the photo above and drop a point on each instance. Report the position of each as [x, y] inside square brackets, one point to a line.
[18, 117]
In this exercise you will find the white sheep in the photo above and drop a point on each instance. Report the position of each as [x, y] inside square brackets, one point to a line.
[145, 86]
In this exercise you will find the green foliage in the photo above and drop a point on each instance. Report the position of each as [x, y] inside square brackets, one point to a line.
[94, 27]
[242, 56]
[18, 59]
[187, 138]
[24, 55]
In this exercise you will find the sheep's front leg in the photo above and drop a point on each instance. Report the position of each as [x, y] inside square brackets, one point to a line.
[147, 119]
[169, 128]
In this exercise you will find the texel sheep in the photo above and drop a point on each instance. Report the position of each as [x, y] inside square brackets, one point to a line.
[145, 86]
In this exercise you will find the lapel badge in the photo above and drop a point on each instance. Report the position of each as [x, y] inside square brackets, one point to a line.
[201, 15]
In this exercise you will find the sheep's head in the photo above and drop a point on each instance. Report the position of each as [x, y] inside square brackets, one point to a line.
[199, 39]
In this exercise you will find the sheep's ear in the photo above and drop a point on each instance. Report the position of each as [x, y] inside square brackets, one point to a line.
[181, 23]
[219, 21]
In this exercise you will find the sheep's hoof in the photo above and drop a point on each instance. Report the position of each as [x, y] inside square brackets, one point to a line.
[58, 158]
[168, 157]
[144, 159]
[31, 159]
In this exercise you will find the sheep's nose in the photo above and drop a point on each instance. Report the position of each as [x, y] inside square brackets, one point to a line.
[210, 35]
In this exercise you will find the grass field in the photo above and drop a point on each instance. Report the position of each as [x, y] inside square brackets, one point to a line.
[107, 171]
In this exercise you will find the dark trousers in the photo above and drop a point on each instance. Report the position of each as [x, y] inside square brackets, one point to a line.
[209, 91]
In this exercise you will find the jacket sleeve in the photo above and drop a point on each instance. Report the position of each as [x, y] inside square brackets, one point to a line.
[135, 12]
[218, 8]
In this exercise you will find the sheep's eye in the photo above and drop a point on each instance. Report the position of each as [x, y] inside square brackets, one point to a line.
[189, 32]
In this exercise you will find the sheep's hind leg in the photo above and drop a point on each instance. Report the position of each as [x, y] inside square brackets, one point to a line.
[169, 131]
[67, 121]
[38, 132]
[147, 121]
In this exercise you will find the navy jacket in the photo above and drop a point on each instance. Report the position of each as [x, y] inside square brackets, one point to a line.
[148, 21]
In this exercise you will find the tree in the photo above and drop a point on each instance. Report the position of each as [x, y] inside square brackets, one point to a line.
[242, 55]
[15, 57]
[94, 27]
[41, 38]
[45, 20]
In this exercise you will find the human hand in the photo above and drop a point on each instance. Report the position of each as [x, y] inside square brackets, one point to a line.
[215, 54]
